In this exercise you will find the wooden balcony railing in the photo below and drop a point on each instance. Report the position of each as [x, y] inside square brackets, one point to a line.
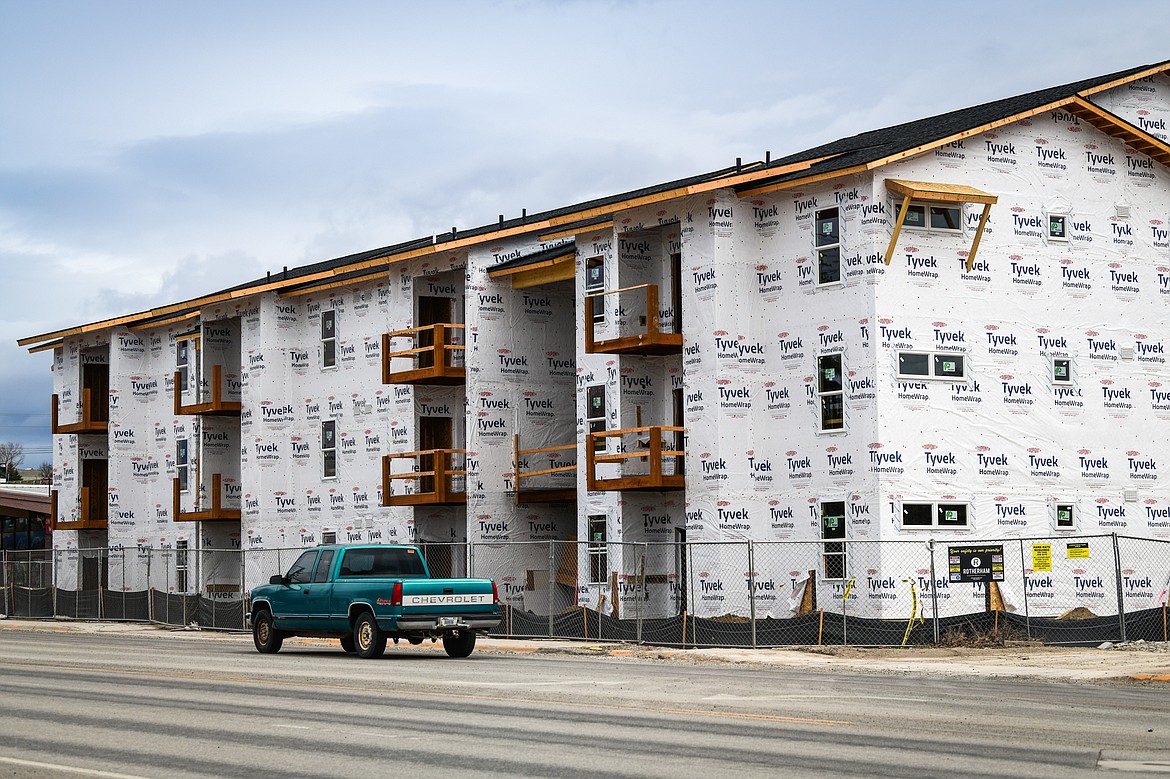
[435, 358]
[215, 513]
[543, 485]
[645, 462]
[95, 415]
[629, 327]
[92, 512]
[215, 406]
[431, 479]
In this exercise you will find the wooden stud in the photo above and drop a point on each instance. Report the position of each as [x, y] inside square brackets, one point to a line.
[897, 228]
[978, 236]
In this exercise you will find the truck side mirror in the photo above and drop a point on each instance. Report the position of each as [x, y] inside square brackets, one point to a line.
[276, 579]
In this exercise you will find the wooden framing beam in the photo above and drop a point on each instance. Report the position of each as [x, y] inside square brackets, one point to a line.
[897, 228]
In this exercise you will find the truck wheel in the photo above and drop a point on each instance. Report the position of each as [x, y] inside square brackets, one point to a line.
[348, 645]
[267, 638]
[458, 643]
[368, 639]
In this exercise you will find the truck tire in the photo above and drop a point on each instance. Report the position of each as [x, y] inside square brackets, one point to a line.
[368, 639]
[458, 643]
[267, 638]
[348, 645]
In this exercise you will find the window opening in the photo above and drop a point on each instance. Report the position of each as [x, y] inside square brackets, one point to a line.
[1062, 370]
[328, 338]
[831, 391]
[941, 515]
[181, 580]
[329, 449]
[182, 464]
[595, 414]
[1066, 516]
[828, 246]
[932, 365]
[594, 283]
[598, 550]
[323, 563]
[833, 527]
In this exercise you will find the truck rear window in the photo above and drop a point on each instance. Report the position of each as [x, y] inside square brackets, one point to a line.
[382, 562]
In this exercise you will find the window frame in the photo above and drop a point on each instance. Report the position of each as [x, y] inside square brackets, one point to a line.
[597, 261]
[822, 394]
[838, 554]
[1065, 217]
[928, 207]
[599, 444]
[1074, 516]
[1058, 382]
[936, 508]
[932, 357]
[597, 550]
[329, 342]
[308, 570]
[830, 245]
[329, 453]
[182, 568]
[183, 464]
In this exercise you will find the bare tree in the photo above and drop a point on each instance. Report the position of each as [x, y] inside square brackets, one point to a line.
[45, 472]
[11, 458]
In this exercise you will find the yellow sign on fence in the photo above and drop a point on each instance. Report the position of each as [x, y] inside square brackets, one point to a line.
[1078, 551]
[1041, 558]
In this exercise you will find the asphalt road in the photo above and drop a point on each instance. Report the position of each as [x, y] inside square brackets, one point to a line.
[174, 705]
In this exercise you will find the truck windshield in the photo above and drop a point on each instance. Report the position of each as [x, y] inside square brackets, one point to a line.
[391, 561]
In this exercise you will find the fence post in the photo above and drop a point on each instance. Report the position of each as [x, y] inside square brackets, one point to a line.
[645, 593]
[244, 594]
[1024, 581]
[4, 581]
[551, 576]
[1117, 580]
[54, 582]
[933, 592]
[751, 549]
[690, 593]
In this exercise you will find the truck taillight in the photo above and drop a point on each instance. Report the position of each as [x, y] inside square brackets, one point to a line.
[396, 594]
[495, 592]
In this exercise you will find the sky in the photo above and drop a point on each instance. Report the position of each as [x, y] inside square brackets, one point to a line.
[154, 151]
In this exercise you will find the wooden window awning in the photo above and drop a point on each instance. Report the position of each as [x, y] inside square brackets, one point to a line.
[932, 192]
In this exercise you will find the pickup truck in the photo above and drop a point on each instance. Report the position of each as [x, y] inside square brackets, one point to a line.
[366, 594]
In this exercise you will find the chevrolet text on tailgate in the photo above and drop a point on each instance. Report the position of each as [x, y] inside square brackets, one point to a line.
[366, 594]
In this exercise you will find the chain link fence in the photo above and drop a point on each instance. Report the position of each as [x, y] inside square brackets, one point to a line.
[1067, 590]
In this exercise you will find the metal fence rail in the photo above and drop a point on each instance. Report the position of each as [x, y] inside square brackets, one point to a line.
[1068, 590]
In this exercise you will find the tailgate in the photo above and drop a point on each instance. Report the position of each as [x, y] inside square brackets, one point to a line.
[430, 604]
[447, 596]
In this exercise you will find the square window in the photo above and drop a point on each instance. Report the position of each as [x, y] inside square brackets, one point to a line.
[949, 366]
[1065, 516]
[952, 515]
[913, 364]
[946, 218]
[1057, 227]
[828, 227]
[1062, 370]
[829, 373]
[915, 217]
[918, 514]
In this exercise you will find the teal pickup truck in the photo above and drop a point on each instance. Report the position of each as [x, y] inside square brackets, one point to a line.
[366, 594]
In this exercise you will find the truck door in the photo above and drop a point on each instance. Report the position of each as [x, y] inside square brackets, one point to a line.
[290, 603]
[317, 595]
